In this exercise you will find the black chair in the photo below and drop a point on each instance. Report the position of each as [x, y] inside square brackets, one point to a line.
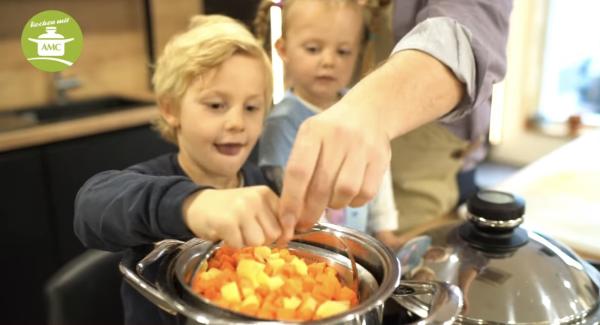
[86, 290]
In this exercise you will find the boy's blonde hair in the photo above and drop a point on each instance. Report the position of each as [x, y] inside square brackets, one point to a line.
[205, 45]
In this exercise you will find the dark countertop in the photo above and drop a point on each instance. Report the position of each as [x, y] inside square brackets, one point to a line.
[33, 135]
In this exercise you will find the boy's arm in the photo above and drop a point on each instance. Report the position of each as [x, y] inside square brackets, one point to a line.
[115, 210]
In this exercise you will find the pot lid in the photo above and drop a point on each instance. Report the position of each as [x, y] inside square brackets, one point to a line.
[51, 34]
[508, 274]
[51, 37]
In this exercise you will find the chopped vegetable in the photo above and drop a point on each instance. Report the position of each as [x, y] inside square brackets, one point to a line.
[272, 283]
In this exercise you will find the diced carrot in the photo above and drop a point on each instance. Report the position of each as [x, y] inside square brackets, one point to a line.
[319, 294]
[263, 290]
[265, 313]
[214, 263]
[268, 269]
[286, 314]
[288, 270]
[225, 250]
[292, 287]
[303, 315]
[308, 284]
[222, 303]
[315, 268]
[270, 298]
[346, 293]
[212, 293]
[278, 301]
[226, 265]
[330, 271]
[249, 309]
[228, 258]
[268, 310]
[247, 250]
[246, 256]
[303, 291]
[335, 283]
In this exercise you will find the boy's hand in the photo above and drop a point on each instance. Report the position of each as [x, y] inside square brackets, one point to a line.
[240, 217]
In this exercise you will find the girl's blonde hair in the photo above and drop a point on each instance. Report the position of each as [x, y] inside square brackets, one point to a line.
[205, 45]
[372, 12]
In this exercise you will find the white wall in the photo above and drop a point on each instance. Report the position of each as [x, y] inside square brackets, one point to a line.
[516, 99]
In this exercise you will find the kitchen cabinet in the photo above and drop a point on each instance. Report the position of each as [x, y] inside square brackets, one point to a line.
[70, 163]
[39, 185]
[27, 244]
[243, 11]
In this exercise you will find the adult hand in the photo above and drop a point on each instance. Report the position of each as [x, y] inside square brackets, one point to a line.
[339, 156]
[241, 217]
[338, 159]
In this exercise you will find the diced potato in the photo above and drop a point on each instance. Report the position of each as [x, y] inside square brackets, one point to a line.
[247, 291]
[291, 302]
[309, 303]
[251, 300]
[262, 278]
[300, 266]
[272, 282]
[262, 253]
[276, 263]
[210, 274]
[230, 292]
[331, 307]
[308, 307]
[249, 269]
[275, 282]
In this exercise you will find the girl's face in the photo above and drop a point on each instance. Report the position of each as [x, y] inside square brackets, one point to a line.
[220, 119]
[320, 48]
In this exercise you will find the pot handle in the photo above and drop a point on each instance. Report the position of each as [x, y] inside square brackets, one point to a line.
[137, 280]
[446, 302]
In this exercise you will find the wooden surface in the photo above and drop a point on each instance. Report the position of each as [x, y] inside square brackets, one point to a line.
[170, 18]
[562, 194]
[113, 58]
[53, 132]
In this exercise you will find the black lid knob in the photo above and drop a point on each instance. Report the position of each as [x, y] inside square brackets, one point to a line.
[496, 205]
[494, 220]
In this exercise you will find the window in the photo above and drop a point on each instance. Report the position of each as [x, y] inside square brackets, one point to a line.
[570, 78]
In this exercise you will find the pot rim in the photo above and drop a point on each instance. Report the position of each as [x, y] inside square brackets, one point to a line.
[390, 279]
[446, 299]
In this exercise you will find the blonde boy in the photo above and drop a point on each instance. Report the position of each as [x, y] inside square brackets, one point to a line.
[213, 86]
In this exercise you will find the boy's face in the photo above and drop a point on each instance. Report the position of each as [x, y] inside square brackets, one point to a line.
[221, 117]
[321, 48]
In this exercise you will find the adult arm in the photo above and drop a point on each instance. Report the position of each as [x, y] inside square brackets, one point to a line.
[340, 155]
[351, 139]
[468, 36]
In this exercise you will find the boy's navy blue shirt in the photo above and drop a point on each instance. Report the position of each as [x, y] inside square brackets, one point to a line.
[131, 209]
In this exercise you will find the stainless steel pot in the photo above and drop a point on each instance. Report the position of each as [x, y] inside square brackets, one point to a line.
[508, 275]
[379, 275]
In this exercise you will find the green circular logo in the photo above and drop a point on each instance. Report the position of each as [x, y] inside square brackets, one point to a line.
[51, 41]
